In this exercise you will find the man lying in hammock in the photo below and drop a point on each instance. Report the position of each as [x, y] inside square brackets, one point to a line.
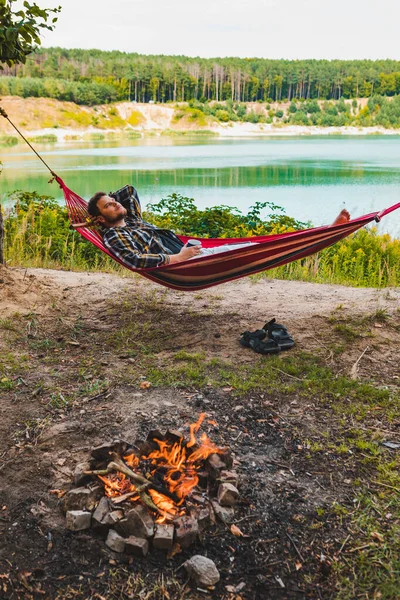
[141, 245]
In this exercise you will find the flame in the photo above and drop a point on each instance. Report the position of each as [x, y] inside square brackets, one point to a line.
[194, 427]
[166, 505]
[117, 484]
[176, 463]
[132, 460]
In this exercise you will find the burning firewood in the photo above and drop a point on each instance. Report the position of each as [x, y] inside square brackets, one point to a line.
[164, 480]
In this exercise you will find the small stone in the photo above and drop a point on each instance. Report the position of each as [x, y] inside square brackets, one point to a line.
[223, 513]
[205, 517]
[137, 522]
[186, 531]
[114, 517]
[229, 477]
[103, 452]
[115, 542]
[77, 520]
[82, 498]
[79, 474]
[102, 510]
[215, 462]
[164, 536]
[202, 571]
[136, 546]
[227, 494]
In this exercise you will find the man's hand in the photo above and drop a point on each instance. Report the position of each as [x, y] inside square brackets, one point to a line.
[185, 254]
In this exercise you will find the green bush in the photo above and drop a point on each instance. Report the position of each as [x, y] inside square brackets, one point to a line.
[38, 233]
[8, 140]
[222, 115]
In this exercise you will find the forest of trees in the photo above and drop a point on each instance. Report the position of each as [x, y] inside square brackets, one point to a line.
[94, 76]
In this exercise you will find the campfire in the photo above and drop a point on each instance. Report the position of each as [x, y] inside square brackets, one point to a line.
[160, 493]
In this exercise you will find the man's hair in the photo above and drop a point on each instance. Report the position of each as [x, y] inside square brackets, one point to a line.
[92, 207]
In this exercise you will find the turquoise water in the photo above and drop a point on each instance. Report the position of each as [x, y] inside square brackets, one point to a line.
[312, 178]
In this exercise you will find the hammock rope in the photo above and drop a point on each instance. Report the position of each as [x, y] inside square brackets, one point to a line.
[206, 271]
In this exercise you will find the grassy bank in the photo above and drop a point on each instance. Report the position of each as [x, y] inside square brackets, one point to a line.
[38, 234]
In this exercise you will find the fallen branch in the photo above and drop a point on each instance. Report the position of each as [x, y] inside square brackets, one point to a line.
[353, 370]
[295, 547]
[287, 374]
[391, 487]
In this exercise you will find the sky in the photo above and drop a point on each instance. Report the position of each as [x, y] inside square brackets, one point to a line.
[293, 29]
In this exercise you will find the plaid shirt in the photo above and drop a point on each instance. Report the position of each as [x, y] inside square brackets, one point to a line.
[139, 244]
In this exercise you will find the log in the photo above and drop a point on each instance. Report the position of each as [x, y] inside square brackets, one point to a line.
[118, 465]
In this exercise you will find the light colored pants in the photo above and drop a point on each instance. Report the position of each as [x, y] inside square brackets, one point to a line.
[224, 248]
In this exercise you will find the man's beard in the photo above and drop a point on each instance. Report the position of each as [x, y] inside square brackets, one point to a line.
[113, 220]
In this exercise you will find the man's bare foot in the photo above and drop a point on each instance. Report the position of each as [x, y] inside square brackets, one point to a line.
[343, 217]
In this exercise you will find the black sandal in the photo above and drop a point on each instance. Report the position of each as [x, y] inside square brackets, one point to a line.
[279, 334]
[248, 336]
[267, 347]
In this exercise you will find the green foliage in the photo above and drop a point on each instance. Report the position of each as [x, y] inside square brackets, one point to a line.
[171, 78]
[38, 233]
[8, 140]
[180, 214]
[48, 137]
[20, 31]
[135, 118]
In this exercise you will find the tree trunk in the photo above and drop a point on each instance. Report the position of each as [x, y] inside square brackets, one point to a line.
[2, 261]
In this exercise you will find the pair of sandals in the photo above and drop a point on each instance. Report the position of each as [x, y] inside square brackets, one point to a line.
[271, 339]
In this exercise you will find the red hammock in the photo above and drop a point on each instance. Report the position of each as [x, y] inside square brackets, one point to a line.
[203, 272]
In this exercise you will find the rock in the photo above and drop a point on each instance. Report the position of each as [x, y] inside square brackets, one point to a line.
[137, 522]
[102, 510]
[229, 477]
[115, 542]
[82, 498]
[164, 536]
[79, 474]
[103, 452]
[214, 461]
[205, 517]
[77, 520]
[224, 514]
[227, 494]
[202, 571]
[136, 546]
[186, 531]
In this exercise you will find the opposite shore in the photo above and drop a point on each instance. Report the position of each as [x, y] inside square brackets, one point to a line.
[49, 120]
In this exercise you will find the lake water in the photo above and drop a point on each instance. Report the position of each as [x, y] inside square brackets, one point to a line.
[312, 178]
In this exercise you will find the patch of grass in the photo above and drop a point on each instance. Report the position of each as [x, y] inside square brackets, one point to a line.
[45, 139]
[6, 384]
[136, 118]
[79, 118]
[133, 135]
[8, 140]
[95, 137]
[31, 430]
[196, 357]
[347, 332]
[58, 400]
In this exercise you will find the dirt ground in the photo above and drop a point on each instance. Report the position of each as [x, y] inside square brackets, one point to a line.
[58, 342]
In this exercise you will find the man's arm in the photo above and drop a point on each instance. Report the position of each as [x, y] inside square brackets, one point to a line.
[129, 198]
[120, 243]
